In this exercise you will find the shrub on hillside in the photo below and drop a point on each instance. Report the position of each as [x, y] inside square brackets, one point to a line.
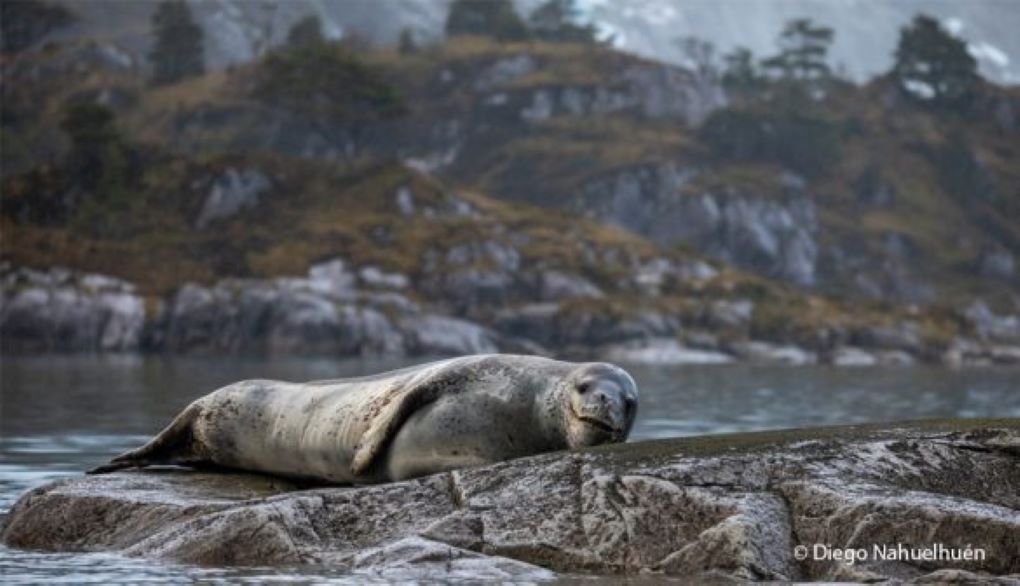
[329, 81]
[802, 141]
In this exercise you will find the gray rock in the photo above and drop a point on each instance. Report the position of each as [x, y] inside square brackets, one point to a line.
[895, 358]
[720, 507]
[990, 325]
[580, 329]
[904, 336]
[405, 201]
[541, 107]
[389, 301]
[726, 313]
[774, 237]
[652, 276]
[764, 352]
[504, 71]
[1006, 355]
[331, 277]
[60, 310]
[998, 264]
[661, 351]
[378, 279]
[467, 290]
[670, 91]
[555, 286]
[318, 315]
[436, 334]
[851, 356]
[498, 254]
[233, 191]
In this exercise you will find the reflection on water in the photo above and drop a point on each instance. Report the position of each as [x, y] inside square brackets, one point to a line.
[62, 414]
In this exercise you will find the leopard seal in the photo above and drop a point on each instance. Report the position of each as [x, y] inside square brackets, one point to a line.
[415, 421]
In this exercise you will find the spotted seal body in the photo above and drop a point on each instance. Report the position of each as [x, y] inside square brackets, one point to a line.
[400, 424]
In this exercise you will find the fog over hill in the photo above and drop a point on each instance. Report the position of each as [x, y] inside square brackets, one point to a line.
[866, 30]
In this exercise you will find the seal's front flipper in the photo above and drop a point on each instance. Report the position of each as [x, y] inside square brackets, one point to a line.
[173, 445]
[392, 409]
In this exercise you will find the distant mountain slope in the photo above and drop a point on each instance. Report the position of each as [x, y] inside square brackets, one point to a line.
[866, 30]
[918, 205]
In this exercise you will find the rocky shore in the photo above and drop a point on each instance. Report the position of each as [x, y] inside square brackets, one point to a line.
[740, 507]
[340, 310]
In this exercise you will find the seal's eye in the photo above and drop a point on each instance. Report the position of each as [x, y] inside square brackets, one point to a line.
[583, 388]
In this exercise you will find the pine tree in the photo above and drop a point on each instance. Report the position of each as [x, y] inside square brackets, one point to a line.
[178, 49]
[740, 74]
[23, 22]
[556, 22]
[803, 48]
[307, 31]
[489, 18]
[407, 45]
[98, 158]
[933, 65]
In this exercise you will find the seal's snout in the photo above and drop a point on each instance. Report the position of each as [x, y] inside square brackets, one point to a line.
[603, 404]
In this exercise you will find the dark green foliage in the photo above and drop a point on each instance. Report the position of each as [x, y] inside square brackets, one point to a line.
[800, 140]
[872, 187]
[100, 161]
[23, 22]
[307, 31]
[406, 45]
[93, 139]
[740, 75]
[329, 82]
[556, 22]
[177, 52]
[928, 55]
[487, 18]
[39, 196]
[960, 173]
[803, 50]
[96, 179]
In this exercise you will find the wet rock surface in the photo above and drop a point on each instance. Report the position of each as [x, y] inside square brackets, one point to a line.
[728, 507]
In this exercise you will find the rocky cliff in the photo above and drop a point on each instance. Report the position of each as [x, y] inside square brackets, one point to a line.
[797, 505]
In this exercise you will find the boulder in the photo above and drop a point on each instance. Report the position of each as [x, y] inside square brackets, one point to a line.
[231, 193]
[60, 310]
[437, 334]
[662, 351]
[764, 352]
[556, 286]
[851, 356]
[775, 237]
[743, 507]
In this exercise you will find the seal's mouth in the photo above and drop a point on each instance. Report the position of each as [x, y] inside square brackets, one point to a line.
[596, 422]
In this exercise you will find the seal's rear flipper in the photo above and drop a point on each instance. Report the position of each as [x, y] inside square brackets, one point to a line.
[173, 445]
[115, 466]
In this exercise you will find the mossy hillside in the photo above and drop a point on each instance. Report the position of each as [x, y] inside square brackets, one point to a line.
[312, 212]
[546, 162]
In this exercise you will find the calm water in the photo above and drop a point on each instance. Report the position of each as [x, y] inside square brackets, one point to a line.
[61, 415]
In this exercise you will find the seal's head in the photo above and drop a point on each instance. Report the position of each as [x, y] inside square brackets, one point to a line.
[601, 404]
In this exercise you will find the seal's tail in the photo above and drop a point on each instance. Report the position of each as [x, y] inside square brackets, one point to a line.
[173, 445]
[114, 466]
